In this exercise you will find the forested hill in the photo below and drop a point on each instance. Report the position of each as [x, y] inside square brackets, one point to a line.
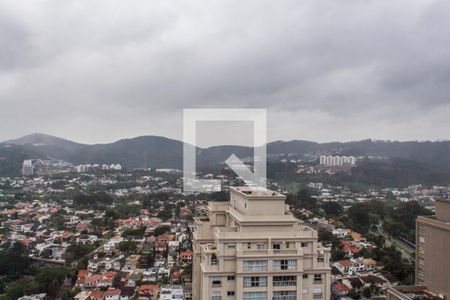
[161, 152]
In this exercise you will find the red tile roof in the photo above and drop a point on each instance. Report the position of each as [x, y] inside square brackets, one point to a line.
[112, 292]
[341, 287]
[97, 294]
[345, 263]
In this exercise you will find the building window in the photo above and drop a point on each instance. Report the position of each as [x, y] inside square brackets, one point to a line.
[214, 260]
[216, 295]
[230, 278]
[305, 276]
[320, 257]
[230, 293]
[255, 265]
[231, 245]
[255, 296]
[255, 281]
[288, 245]
[249, 245]
[216, 282]
[284, 280]
[305, 244]
[317, 278]
[317, 293]
[285, 295]
[260, 246]
[276, 246]
[285, 264]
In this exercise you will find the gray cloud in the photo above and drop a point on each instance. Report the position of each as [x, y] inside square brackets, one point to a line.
[325, 69]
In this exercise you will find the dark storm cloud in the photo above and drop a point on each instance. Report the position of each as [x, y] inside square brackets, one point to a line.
[326, 70]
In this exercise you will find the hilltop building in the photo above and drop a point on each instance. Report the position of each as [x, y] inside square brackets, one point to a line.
[27, 168]
[333, 160]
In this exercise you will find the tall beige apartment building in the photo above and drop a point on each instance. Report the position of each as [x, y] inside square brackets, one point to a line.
[253, 248]
[433, 249]
[432, 258]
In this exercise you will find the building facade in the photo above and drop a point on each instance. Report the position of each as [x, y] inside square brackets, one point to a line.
[432, 257]
[253, 248]
[411, 292]
[333, 160]
[433, 249]
[27, 168]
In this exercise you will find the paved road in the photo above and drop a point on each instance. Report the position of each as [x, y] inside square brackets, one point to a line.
[76, 262]
[406, 251]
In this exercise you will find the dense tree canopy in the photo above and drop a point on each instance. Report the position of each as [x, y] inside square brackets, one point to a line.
[92, 200]
[14, 260]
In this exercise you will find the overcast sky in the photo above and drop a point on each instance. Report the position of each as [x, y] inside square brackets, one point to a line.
[98, 71]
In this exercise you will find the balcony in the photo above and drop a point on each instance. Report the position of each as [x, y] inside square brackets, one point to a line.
[268, 252]
[210, 262]
[318, 296]
[323, 257]
[285, 283]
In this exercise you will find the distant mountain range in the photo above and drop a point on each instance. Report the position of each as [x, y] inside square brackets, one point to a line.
[161, 152]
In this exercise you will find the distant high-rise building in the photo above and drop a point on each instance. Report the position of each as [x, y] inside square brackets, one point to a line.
[432, 257]
[333, 160]
[116, 167]
[253, 248]
[27, 168]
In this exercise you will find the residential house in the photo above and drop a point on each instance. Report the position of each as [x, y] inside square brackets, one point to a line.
[148, 291]
[112, 294]
[97, 295]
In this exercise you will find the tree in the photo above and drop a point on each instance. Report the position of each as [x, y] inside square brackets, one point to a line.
[46, 253]
[128, 246]
[117, 281]
[407, 212]
[325, 235]
[166, 213]
[303, 199]
[92, 200]
[367, 292]
[218, 196]
[390, 196]
[77, 251]
[332, 208]
[14, 291]
[378, 239]
[23, 286]
[354, 294]
[50, 279]
[2, 286]
[337, 254]
[161, 230]
[148, 260]
[14, 260]
[140, 232]
[360, 217]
